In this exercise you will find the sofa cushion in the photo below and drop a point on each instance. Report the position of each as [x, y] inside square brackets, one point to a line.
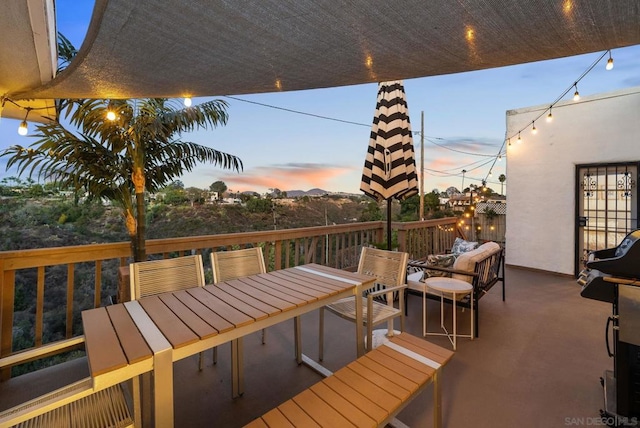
[466, 261]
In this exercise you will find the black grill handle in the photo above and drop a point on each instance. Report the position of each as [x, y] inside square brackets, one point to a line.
[606, 335]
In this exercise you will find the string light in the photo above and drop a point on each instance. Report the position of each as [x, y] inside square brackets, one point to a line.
[534, 130]
[111, 115]
[187, 101]
[519, 139]
[609, 65]
[576, 95]
[550, 115]
[23, 129]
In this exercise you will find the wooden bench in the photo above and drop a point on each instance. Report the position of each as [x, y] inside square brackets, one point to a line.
[481, 269]
[368, 392]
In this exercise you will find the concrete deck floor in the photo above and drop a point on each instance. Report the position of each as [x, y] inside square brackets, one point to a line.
[536, 363]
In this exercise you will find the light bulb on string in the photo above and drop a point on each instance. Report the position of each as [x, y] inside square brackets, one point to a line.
[550, 115]
[576, 95]
[519, 139]
[111, 115]
[500, 156]
[534, 130]
[187, 101]
[509, 142]
[23, 129]
[609, 65]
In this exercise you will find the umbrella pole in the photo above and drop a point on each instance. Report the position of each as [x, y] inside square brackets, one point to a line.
[389, 224]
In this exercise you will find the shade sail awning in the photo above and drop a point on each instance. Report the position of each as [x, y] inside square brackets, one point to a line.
[28, 56]
[174, 48]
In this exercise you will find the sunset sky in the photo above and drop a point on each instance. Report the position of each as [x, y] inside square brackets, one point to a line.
[464, 116]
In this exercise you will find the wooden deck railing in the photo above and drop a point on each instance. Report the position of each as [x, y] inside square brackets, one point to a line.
[90, 271]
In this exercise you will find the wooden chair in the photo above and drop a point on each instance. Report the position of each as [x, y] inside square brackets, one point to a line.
[236, 264]
[389, 268]
[226, 266]
[72, 398]
[160, 276]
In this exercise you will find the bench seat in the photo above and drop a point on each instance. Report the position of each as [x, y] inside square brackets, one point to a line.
[368, 392]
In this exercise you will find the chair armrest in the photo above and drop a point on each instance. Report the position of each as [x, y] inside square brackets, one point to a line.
[444, 269]
[386, 290]
[40, 352]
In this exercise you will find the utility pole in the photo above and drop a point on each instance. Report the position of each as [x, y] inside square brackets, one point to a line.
[422, 165]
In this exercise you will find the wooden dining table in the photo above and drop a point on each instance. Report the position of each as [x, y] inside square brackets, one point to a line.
[179, 324]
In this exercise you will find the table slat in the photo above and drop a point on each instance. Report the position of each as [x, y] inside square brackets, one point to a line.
[195, 323]
[374, 393]
[235, 288]
[176, 332]
[230, 299]
[344, 407]
[320, 410]
[296, 415]
[206, 314]
[311, 287]
[101, 342]
[355, 397]
[221, 308]
[131, 340]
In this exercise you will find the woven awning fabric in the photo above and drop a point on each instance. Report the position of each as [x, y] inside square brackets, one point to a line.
[389, 167]
[175, 48]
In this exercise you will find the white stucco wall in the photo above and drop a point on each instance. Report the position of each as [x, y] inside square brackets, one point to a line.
[541, 171]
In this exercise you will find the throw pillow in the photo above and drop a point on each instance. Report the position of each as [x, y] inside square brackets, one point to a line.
[461, 246]
[445, 260]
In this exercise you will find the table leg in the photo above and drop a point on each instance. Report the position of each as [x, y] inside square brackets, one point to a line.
[237, 372]
[163, 388]
[454, 321]
[437, 400]
[298, 339]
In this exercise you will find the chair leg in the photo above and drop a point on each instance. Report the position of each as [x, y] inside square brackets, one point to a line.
[406, 303]
[264, 332]
[475, 314]
[403, 301]
[215, 355]
[321, 336]
[200, 360]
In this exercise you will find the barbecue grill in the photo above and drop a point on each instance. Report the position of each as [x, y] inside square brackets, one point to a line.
[613, 276]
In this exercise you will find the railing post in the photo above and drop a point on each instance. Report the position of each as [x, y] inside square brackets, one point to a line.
[7, 296]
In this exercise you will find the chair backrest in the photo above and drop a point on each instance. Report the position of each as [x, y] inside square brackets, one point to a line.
[158, 276]
[237, 263]
[389, 267]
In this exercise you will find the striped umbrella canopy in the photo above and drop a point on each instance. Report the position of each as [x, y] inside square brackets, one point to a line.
[389, 167]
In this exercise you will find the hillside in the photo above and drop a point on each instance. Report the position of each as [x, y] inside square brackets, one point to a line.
[38, 223]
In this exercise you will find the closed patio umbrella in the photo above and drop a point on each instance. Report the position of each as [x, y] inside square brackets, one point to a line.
[390, 168]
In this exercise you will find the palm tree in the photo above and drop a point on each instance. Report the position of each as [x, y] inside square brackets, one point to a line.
[139, 150]
[502, 178]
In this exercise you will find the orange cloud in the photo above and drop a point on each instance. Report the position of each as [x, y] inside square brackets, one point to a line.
[284, 177]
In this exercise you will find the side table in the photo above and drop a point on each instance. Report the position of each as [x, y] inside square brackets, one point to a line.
[444, 287]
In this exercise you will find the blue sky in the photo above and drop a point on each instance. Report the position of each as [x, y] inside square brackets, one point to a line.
[464, 112]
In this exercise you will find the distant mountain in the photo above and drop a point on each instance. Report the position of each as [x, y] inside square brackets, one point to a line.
[311, 192]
